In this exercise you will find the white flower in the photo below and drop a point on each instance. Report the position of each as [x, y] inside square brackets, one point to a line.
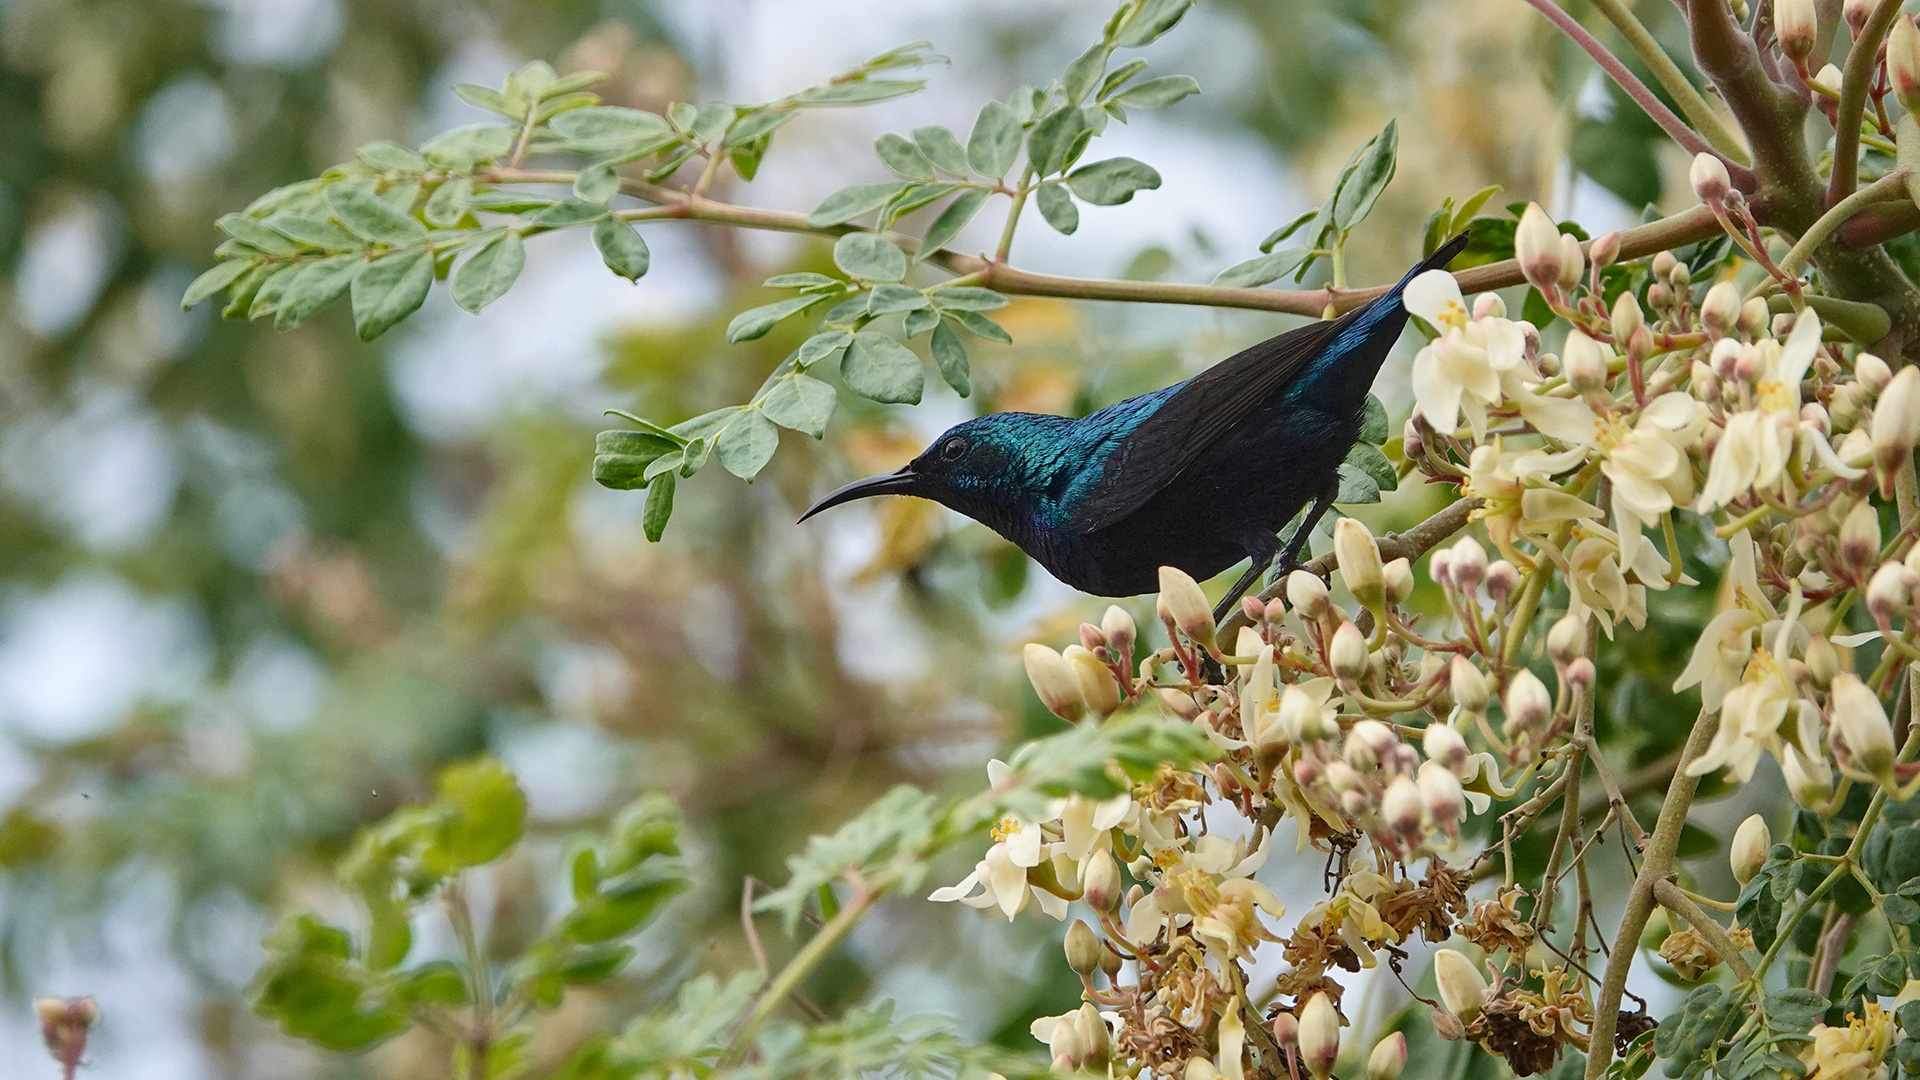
[1758, 443]
[1750, 718]
[1460, 370]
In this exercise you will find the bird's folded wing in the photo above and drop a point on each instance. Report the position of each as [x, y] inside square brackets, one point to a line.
[1211, 404]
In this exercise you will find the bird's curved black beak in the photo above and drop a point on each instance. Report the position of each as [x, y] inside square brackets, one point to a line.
[903, 482]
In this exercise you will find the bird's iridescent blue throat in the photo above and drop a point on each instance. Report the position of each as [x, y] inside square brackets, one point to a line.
[1199, 475]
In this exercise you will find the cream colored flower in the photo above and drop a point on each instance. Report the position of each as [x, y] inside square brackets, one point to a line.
[1759, 442]
[1857, 1051]
[1460, 370]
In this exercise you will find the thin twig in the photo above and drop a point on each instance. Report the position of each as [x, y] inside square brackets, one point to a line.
[1862, 62]
[1695, 105]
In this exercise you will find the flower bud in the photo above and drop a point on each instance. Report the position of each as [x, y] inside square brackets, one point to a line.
[1095, 680]
[1083, 949]
[1398, 577]
[1663, 264]
[1809, 781]
[1467, 685]
[1605, 250]
[64, 1024]
[1359, 559]
[1447, 1026]
[1567, 639]
[1828, 79]
[1440, 790]
[1100, 881]
[1389, 1056]
[1528, 705]
[1887, 593]
[1182, 604]
[1721, 309]
[1869, 370]
[1860, 538]
[1462, 988]
[1626, 315]
[1753, 317]
[1347, 653]
[1285, 1028]
[1823, 661]
[1748, 852]
[1903, 63]
[1857, 715]
[1178, 702]
[1300, 719]
[1319, 1038]
[1856, 13]
[1444, 745]
[1585, 363]
[1814, 415]
[1536, 242]
[1795, 27]
[1709, 177]
[1402, 806]
[1307, 593]
[1580, 673]
[1054, 681]
[1467, 564]
[1896, 424]
[1573, 261]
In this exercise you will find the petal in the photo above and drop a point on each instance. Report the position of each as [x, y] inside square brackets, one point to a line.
[1437, 396]
[1435, 297]
[1022, 847]
[1798, 353]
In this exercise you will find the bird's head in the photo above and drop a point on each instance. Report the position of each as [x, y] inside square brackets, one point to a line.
[982, 468]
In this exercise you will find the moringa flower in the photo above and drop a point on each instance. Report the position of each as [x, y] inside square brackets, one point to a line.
[1460, 370]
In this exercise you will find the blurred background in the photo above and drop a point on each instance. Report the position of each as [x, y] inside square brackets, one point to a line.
[255, 588]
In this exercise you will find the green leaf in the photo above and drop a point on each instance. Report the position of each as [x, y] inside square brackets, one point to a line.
[620, 458]
[267, 300]
[951, 220]
[597, 184]
[493, 101]
[214, 279]
[951, 357]
[1053, 143]
[609, 125]
[820, 346]
[653, 520]
[804, 279]
[1356, 486]
[570, 212]
[313, 231]
[755, 124]
[888, 299]
[1084, 73]
[470, 144]
[994, 141]
[1113, 181]
[980, 326]
[755, 322]
[621, 247]
[898, 153]
[1367, 457]
[712, 121]
[1900, 910]
[595, 965]
[1150, 20]
[317, 284]
[1288, 229]
[870, 257]
[256, 234]
[853, 201]
[373, 218]
[800, 403]
[1365, 177]
[1056, 207]
[308, 985]
[968, 298]
[942, 149]
[490, 272]
[1373, 422]
[1267, 268]
[881, 369]
[1157, 93]
[389, 289]
[448, 203]
[745, 446]
[392, 157]
[919, 321]
[486, 811]
[913, 197]
[240, 295]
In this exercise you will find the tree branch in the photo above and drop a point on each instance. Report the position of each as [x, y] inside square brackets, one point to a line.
[1861, 64]
[1692, 141]
[1675, 82]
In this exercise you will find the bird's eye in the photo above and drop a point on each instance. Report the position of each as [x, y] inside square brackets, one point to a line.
[953, 448]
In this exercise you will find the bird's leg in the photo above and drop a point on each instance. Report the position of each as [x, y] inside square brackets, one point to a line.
[1247, 580]
[1297, 543]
